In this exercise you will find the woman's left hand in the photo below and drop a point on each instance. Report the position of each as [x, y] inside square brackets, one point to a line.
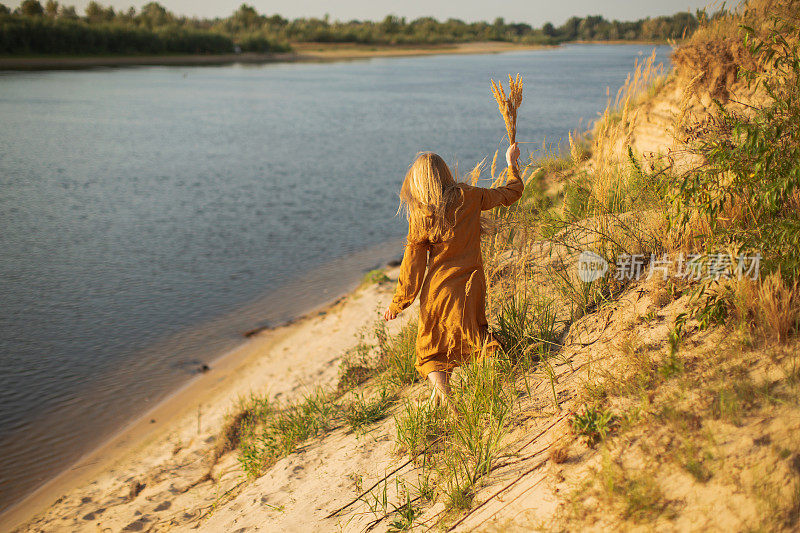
[389, 315]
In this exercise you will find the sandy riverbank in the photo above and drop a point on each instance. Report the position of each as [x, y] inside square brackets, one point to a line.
[303, 52]
[155, 469]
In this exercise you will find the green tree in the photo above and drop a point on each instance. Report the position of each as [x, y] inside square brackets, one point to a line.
[498, 29]
[51, 8]
[570, 28]
[31, 8]
[390, 25]
[154, 15]
[548, 29]
[247, 16]
[68, 13]
[4, 10]
[589, 27]
[518, 30]
[128, 17]
[277, 20]
[96, 13]
[683, 23]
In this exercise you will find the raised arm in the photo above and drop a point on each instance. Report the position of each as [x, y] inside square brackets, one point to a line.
[412, 273]
[511, 191]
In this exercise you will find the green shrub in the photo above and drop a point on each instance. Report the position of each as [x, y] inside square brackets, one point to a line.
[256, 42]
[747, 189]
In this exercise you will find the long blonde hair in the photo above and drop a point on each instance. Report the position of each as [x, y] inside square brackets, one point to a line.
[428, 196]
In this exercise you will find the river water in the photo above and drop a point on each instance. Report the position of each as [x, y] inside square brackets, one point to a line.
[149, 216]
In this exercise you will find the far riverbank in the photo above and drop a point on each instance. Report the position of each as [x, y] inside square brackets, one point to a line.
[303, 52]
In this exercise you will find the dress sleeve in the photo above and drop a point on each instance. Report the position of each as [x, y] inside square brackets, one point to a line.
[412, 273]
[505, 195]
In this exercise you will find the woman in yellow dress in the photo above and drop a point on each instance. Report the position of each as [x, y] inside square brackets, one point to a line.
[444, 235]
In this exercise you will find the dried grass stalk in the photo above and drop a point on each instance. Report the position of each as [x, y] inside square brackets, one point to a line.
[509, 104]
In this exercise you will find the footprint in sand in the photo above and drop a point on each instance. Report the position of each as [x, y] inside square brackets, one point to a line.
[163, 506]
[92, 515]
[137, 525]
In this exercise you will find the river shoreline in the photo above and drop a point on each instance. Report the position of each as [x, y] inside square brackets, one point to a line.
[303, 52]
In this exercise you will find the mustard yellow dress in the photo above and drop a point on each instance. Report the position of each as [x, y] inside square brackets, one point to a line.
[452, 295]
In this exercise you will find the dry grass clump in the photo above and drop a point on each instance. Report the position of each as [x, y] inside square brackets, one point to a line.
[613, 131]
[560, 454]
[712, 56]
[768, 308]
[239, 423]
[778, 306]
[509, 104]
[579, 148]
[712, 65]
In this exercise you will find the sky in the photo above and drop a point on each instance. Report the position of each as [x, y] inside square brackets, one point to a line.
[534, 12]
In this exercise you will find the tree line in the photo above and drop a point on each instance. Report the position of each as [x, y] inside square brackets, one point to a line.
[54, 28]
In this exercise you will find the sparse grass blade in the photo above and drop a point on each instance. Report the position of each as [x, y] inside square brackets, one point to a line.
[398, 357]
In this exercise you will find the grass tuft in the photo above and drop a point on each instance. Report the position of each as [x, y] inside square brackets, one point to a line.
[281, 428]
[526, 327]
[374, 277]
[418, 425]
[397, 357]
[362, 412]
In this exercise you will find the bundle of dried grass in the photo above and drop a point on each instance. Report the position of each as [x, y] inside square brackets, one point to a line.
[509, 104]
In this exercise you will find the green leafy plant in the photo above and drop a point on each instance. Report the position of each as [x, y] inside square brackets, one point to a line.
[673, 365]
[593, 423]
[713, 312]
